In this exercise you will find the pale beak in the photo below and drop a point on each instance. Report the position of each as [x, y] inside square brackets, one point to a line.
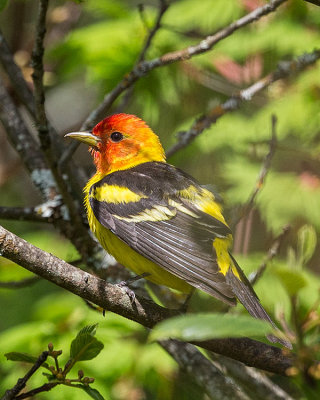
[85, 137]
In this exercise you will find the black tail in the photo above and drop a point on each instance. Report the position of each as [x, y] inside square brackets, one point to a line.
[247, 296]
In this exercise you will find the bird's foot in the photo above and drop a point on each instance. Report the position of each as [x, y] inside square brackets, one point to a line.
[125, 285]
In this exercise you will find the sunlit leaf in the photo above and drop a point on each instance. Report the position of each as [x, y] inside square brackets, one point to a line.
[307, 242]
[85, 346]
[23, 357]
[93, 393]
[292, 280]
[208, 326]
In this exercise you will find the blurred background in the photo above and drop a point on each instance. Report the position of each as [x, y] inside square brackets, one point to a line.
[90, 46]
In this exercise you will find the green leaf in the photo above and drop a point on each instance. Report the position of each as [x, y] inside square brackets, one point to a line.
[3, 4]
[89, 329]
[292, 280]
[209, 326]
[93, 393]
[307, 242]
[291, 258]
[23, 357]
[85, 346]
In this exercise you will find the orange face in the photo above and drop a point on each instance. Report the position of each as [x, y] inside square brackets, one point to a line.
[120, 142]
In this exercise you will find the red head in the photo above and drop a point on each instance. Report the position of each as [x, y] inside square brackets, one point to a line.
[121, 141]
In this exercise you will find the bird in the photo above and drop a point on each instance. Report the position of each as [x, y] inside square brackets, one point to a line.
[157, 220]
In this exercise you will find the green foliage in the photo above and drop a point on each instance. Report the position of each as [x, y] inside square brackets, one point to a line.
[93, 393]
[85, 346]
[307, 241]
[126, 363]
[99, 50]
[22, 357]
[3, 4]
[210, 326]
[293, 281]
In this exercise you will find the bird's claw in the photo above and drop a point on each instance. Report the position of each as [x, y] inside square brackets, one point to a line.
[125, 286]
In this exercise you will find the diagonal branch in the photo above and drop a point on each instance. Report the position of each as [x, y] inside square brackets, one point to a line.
[273, 251]
[255, 383]
[284, 70]
[42, 213]
[112, 298]
[40, 174]
[26, 145]
[12, 393]
[203, 371]
[26, 97]
[163, 6]
[180, 55]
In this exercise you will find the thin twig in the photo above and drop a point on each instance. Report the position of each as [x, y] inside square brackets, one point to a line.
[248, 206]
[19, 284]
[37, 76]
[247, 232]
[163, 6]
[284, 70]
[12, 393]
[23, 214]
[272, 252]
[44, 388]
[113, 298]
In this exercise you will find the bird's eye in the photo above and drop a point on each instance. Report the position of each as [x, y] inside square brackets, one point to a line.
[116, 136]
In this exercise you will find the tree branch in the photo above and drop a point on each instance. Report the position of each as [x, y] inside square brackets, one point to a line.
[284, 70]
[163, 6]
[26, 97]
[145, 67]
[44, 388]
[203, 371]
[77, 225]
[26, 146]
[273, 251]
[41, 213]
[37, 76]
[40, 174]
[256, 384]
[112, 298]
[12, 393]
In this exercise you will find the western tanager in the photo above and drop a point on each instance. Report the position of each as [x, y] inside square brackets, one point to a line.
[156, 219]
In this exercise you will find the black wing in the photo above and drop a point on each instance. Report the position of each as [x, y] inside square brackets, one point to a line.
[164, 226]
